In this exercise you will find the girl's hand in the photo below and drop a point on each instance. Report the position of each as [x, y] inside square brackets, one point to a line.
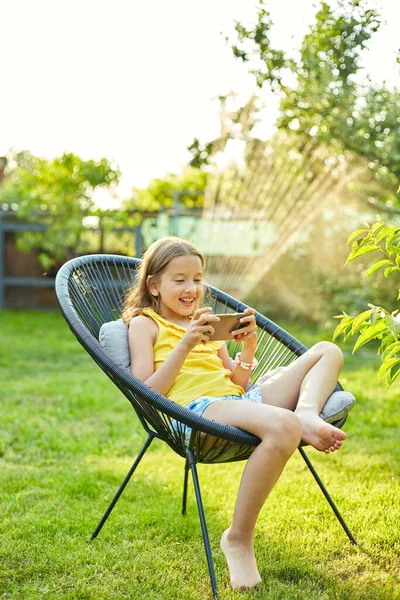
[200, 327]
[247, 335]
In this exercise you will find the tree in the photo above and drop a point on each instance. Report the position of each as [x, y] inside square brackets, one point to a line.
[234, 124]
[159, 194]
[330, 104]
[55, 193]
[327, 101]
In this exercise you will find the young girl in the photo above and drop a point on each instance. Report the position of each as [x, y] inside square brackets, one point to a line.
[171, 352]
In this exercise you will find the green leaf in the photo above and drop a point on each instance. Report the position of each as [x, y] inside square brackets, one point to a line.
[382, 234]
[355, 234]
[393, 249]
[390, 270]
[369, 334]
[346, 323]
[391, 349]
[395, 234]
[387, 340]
[394, 373]
[392, 325]
[377, 266]
[361, 251]
[388, 364]
[365, 241]
[359, 320]
[377, 227]
[374, 315]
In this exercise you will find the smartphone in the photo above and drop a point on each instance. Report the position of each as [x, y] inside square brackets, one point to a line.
[228, 322]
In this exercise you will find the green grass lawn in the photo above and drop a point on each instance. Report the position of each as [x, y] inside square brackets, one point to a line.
[67, 438]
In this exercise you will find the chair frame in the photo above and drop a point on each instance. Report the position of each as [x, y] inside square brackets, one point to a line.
[89, 291]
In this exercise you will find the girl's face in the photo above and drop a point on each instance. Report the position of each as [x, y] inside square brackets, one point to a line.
[180, 287]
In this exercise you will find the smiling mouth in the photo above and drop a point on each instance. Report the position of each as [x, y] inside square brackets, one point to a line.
[187, 301]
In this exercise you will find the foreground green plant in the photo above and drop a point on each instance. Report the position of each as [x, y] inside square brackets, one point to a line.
[376, 323]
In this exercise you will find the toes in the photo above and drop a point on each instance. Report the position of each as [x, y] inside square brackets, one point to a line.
[335, 446]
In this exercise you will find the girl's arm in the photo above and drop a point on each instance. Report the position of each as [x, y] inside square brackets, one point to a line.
[143, 333]
[248, 337]
[238, 375]
[226, 359]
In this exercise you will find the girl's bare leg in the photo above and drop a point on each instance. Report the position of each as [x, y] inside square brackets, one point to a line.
[280, 433]
[304, 387]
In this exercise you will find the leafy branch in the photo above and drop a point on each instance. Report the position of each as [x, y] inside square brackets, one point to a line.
[376, 323]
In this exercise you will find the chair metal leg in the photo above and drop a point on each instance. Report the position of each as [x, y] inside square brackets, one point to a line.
[192, 464]
[327, 496]
[122, 487]
[185, 484]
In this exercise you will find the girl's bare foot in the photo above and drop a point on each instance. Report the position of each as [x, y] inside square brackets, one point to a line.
[322, 436]
[241, 563]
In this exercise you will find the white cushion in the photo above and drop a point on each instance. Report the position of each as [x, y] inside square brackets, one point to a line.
[113, 337]
[338, 405]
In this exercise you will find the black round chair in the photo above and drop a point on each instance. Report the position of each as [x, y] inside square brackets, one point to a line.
[90, 291]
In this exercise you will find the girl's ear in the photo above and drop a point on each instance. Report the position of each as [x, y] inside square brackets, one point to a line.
[152, 285]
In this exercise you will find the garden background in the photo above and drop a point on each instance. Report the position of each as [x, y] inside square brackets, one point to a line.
[273, 213]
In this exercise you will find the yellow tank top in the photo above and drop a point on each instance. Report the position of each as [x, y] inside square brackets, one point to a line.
[202, 373]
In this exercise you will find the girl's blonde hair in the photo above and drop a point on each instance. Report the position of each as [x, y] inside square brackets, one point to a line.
[154, 262]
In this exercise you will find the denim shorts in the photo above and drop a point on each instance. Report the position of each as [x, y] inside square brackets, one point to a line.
[200, 404]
